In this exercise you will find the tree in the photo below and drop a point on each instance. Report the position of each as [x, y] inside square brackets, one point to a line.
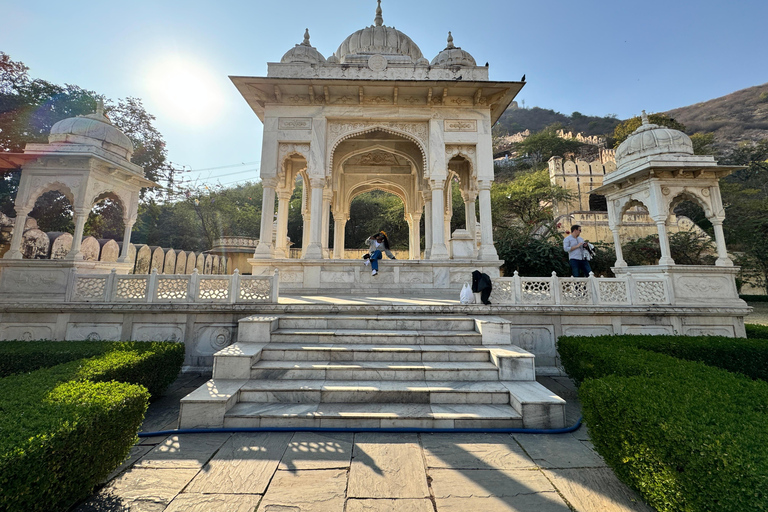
[625, 128]
[526, 201]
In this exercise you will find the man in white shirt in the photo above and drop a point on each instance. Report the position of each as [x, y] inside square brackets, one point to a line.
[578, 257]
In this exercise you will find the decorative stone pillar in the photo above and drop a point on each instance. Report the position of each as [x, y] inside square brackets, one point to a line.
[339, 224]
[414, 244]
[314, 248]
[264, 249]
[470, 219]
[14, 253]
[427, 225]
[617, 247]
[81, 215]
[487, 250]
[327, 196]
[439, 249]
[661, 227]
[306, 198]
[283, 205]
[722, 253]
[126, 238]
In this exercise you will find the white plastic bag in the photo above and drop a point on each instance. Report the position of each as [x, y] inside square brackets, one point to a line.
[466, 296]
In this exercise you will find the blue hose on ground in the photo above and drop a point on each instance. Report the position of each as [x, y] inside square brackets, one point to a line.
[565, 430]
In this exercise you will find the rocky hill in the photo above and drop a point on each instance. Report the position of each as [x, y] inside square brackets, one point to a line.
[736, 117]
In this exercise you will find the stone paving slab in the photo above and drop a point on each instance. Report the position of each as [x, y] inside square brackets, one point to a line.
[309, 450]
[316, 491]
[559, 451]
[244, 464]
[140, 490]
[196, 502]
[389, 505]
[542, 502]
[474, 451]
[595, 490]
[486, 483]
[183, 451]
[387, 466]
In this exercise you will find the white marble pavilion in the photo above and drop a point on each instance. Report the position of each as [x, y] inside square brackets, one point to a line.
[377, 115]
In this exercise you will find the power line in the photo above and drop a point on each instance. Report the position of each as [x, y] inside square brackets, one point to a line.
[222, 167]
[233, 173]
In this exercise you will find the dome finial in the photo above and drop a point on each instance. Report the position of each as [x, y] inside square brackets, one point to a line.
[100, 106]
[306, 38]
[450, 41]
[378, 20]
[644, 117]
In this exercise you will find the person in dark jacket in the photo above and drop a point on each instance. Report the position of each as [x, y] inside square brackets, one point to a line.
[481, 283]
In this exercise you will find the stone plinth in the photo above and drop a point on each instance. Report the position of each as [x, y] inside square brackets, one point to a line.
[399, 277]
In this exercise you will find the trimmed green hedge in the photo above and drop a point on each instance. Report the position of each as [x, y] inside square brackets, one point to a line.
[757, 331]
[65, 428]
[754, 298]
[687, 436]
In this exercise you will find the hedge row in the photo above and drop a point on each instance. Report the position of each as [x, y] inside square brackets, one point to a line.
[67, 427]
[687, 436]
[756, 331]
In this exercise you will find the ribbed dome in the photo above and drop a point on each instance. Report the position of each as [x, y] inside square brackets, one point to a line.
[303, 52]
[378, 39]
[652, 139]
[453, 56]
[95, 130]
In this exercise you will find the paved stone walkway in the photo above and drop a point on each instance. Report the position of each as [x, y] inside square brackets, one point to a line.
[361, 472]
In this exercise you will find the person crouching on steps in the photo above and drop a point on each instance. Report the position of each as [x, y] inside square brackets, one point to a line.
[376, 244]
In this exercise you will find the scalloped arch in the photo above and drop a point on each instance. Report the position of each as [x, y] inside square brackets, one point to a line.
[373, 128]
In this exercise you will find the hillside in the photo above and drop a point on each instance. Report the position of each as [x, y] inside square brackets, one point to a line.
[736, 117]
[535, 119]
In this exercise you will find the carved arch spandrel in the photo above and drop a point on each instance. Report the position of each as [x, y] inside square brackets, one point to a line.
[376, 147]
[39, 185]
[416, 132]
[468, 152]
[675, 197]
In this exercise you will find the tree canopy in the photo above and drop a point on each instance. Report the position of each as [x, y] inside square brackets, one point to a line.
[625, 128]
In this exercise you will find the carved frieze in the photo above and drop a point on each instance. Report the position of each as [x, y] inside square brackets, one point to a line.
[294, 123]
[460, 125]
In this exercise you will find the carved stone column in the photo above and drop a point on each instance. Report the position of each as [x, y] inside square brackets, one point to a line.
[427, 225]
[81, 215]
[126, 239]
[617, 247]
[314, 248]
[264, 249]
[327, 196]
[487, 250]
[470, 218]
[306, 199]
[281, 241]
[14, 253]
[439, 250]
[661, 227]
[414, 244]
[339, 224]
[722, 253]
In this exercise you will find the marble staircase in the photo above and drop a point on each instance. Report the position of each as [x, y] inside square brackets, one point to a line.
[373, 371]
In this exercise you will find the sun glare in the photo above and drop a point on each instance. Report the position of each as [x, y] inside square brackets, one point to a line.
[184, 90]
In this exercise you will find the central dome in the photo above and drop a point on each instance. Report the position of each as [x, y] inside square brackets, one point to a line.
[378, 39]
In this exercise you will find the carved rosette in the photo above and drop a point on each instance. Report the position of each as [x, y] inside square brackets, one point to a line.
[341, 131]
[285, 149]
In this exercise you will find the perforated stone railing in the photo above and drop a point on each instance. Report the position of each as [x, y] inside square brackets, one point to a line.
[174, 288]
[554, 290]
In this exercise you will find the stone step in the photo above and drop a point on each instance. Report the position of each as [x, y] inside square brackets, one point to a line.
[376, 370]
[373, 322]
[343, 391]
[338, 352]
[372, 337]
[371, 415]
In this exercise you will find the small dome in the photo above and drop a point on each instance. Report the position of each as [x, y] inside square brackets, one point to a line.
[378, 39]
[303, 52]
[93, 129]
[652, 139]
[453, 56]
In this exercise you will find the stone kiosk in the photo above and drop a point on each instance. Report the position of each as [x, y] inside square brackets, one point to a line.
[377, 115]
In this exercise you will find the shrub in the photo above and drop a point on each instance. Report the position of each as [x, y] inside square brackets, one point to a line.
[756, 331]
[61, 437]
[687, 442]
[154, 365]
[66, 427]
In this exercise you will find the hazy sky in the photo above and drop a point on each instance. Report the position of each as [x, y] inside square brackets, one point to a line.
[599, 57]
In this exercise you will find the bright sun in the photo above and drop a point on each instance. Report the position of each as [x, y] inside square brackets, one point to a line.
[184, 90]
